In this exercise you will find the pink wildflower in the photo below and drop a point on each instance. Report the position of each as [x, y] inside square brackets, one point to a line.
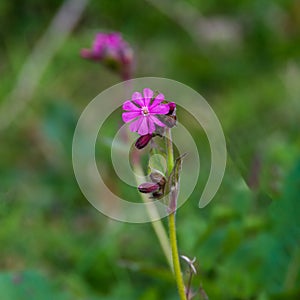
[143, 110]
[111, 49]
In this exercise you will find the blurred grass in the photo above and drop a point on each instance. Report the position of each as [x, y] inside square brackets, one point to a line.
[246, 242]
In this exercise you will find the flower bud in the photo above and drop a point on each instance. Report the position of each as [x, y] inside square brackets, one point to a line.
[172, 108]
[143, 141]
[158, 178]
[148, 187]
[170, 118]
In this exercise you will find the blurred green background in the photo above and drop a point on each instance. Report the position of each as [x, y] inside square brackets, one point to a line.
[243, 57]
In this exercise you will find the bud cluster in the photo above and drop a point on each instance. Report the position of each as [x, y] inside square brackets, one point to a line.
[156, 187]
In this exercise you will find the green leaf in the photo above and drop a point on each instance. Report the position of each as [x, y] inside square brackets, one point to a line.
[157, 161]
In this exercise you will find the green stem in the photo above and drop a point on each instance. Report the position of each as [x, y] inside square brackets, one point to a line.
[175, 256]
[170, 155]
[172, 223]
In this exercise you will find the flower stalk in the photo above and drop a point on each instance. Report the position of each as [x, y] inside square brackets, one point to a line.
[149, 115]
[172, 221]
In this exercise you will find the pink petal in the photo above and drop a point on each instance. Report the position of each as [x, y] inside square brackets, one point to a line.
[148, 95]
[138, 99]
[156, 121]
[135, 125]
[158, 99]
[143, 127]
[151, 126]
[129, 116]
[99, 41]
[128, 105]
[159, 109]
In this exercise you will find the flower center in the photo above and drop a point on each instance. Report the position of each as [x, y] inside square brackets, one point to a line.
[145, 110]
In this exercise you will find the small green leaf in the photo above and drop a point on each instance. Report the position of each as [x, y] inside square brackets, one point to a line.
[157, 161]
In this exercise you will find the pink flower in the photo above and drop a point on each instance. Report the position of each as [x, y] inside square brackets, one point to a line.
[142, 110]
[111, 49]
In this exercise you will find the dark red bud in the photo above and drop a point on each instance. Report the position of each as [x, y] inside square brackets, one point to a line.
[172, 107]
[143, 141]
[148, 187]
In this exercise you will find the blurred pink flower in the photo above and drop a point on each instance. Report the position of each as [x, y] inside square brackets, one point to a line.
[113, 50]
[143, 110]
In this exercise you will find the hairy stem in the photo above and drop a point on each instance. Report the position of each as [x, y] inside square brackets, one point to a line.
[172, 223]
[175, 257]
[170, 155]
